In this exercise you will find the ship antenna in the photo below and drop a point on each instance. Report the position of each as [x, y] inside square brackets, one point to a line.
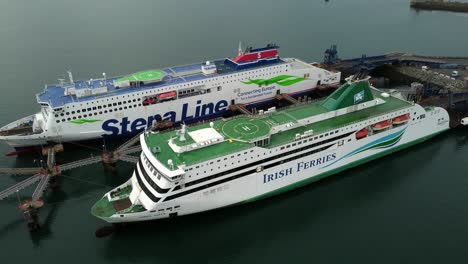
[70, 76]
[240, 48]
[182, 132]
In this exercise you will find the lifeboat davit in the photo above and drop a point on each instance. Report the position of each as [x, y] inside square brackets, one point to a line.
[401, 119]
[382, 125]
[167, 95]
[362, 133]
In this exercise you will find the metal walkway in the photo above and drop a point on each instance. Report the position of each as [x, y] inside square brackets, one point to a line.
[288, 98]
[19, 186]
[127, 158]
[241, 108]
[129, 143]
[19, 171]
[131, 150]
[431, 77]
[39, 191]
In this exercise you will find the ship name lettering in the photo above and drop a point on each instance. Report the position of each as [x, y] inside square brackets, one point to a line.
[126, 126]
[277, 175]
[310, 164]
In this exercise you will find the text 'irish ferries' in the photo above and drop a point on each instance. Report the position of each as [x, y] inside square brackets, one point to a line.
[299, 167]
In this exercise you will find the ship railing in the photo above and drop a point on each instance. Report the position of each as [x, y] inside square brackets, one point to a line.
[341, 126]
[283, 143]
[110, 85]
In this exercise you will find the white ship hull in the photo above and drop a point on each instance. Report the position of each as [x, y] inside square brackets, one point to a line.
[339, 155]
[128, 116]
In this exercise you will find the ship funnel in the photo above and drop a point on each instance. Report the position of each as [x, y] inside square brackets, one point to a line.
[349, 94]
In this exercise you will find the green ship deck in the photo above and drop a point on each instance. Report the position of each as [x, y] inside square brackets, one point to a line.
[106, 208]
[144, 76]
[239, 133]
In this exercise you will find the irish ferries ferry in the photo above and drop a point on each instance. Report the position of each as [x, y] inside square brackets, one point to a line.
[82, 110]
[243, 159]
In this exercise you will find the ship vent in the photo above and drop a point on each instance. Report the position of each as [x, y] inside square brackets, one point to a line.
[262, 142]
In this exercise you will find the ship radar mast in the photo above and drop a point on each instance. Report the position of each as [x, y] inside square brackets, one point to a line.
[182, 132]
[240, 48]
[70, 76]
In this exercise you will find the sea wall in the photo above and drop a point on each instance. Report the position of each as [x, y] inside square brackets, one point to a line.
[439, 5]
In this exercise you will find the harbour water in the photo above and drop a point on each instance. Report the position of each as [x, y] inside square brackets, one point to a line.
[405, 208]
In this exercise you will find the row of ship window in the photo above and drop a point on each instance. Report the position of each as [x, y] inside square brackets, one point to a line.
[267, 159]
[166, 209]
[283, 147]
[257, 163]
[84, 110]
[110, 105]
[94, 113]
[246, 173]
[153, 184]
[310, 139]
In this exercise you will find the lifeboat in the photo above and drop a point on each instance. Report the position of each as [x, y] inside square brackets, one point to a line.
[401, 119]
[381, 125]
[167, 95]
[362, 133]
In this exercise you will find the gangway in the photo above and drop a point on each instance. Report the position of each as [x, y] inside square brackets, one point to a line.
[19, 171]
[129, 143]
[287, 97]
[241, 108]
[80, 163]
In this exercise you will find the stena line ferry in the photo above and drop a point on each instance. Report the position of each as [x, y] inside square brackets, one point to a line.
[83, 110]
[247, 158]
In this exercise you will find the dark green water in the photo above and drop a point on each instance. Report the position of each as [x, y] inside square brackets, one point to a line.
[405, 208]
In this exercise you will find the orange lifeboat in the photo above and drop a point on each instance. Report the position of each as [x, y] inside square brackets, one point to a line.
[167, 95]
[382, 125]
[401, 119]
[362, 133]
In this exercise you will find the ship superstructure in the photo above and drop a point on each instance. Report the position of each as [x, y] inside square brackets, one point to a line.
[246, 158]
[82, 110]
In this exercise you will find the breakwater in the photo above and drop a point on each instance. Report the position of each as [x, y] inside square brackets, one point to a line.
[439, 5]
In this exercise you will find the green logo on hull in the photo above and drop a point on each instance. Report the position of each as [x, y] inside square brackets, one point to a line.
[283, 80]
[84, 121]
